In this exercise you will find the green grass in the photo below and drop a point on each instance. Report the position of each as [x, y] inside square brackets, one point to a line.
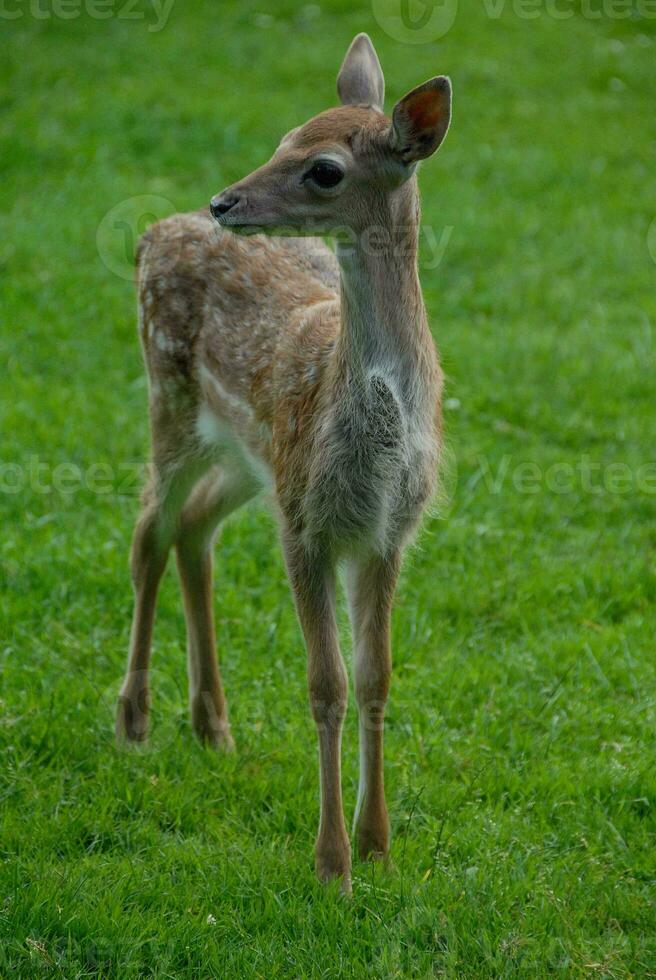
[520, 739]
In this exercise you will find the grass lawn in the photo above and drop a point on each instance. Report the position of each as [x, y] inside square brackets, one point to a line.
[520, 740]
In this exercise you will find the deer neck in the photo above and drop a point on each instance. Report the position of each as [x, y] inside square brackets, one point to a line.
[384, 327]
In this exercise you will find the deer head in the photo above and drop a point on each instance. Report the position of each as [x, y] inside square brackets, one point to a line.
[343, 168]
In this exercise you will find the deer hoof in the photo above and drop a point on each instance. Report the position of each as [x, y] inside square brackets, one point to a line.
[211, 729]
[333, 862]
[132, 718]
[373, 845]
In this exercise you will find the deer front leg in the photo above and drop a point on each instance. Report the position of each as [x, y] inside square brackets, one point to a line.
[371, 585]
[313, 584]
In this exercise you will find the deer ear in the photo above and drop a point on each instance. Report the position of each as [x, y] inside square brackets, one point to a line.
[421, 119]
[360, 80]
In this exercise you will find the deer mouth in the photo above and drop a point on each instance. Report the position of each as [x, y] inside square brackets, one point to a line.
[241, 227]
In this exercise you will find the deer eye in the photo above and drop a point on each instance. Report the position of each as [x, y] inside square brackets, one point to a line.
[325, 174]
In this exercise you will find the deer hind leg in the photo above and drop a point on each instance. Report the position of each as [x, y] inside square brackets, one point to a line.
[215, 496]
[371, 585]
[151, 542]
[313, 585]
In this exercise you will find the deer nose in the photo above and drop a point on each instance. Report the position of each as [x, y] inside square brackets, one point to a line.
[223, 203]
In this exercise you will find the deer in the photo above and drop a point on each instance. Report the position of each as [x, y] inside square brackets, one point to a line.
[277, 364]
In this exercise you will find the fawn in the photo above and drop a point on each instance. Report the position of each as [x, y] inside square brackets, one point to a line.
[276, 361]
